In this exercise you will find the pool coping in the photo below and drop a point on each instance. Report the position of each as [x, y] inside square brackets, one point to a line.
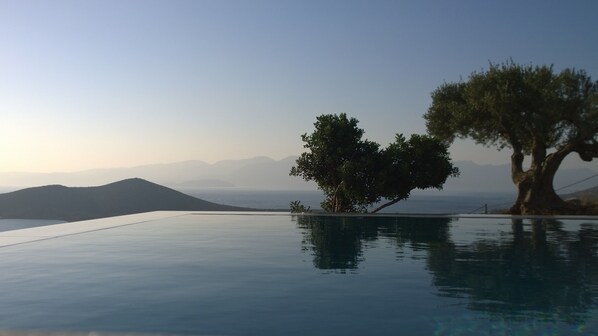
[27, 235]
[20, 236]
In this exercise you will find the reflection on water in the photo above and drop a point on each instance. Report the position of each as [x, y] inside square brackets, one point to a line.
[337, 243]
[206, 274]
[536, 267]
[539, 269]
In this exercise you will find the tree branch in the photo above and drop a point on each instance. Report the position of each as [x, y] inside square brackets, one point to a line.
[517, 174]
[538, 153]
[587, 151]
[394, 201]
[553, 161]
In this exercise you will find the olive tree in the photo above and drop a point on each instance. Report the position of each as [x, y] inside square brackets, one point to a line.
[531, 110]
[354, 173]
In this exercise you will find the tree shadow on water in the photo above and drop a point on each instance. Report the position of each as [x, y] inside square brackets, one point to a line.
[540, 271]
[537, 270]
[337, 243]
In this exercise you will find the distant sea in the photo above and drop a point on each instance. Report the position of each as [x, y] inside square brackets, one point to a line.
[426, 202]
[440, 202]
[16, 224]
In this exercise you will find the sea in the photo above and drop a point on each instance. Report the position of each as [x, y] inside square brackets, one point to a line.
[440, 202]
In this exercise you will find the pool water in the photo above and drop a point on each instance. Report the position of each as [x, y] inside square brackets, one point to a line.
[264, 274]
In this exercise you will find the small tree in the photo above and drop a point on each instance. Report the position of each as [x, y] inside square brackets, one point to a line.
[354, 173]
[421, 162]
[531, 110]
[297, 207]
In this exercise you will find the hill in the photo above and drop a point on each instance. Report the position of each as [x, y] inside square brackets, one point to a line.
[587, 195]
[120, 198]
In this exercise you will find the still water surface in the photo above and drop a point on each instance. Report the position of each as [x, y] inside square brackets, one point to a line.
[301, 275]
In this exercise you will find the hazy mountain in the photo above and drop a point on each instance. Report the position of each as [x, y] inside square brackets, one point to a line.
[257, 173]
[204, 183]
[160, 173]
[266, 173]
[120, 198]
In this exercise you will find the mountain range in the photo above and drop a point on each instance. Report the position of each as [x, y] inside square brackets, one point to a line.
[120, 198]
[258, 173]
[264, 173]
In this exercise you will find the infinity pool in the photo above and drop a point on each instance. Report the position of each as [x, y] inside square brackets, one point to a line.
[276, 274]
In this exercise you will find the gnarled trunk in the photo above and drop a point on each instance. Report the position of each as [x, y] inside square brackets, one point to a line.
[536, 196]
[535, 191]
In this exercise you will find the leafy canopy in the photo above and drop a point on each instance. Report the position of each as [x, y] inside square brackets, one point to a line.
[354, 173]
[520, 107]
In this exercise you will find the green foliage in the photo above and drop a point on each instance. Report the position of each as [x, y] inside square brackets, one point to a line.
[355, 173]
[516, 106]
[297, 207]
[531, 110]
[421, 162]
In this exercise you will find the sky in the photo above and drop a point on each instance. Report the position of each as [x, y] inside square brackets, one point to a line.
[100, 84]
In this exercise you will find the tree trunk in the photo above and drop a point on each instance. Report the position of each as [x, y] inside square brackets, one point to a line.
[387, 204]
[535, 191]
[522, 191]
[541, 199]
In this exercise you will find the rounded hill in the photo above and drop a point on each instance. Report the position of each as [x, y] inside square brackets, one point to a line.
[115, 199]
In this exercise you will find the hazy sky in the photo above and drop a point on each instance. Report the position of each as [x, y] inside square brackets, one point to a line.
[90, 84]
